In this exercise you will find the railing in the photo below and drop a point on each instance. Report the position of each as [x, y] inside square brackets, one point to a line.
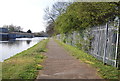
[100, 41]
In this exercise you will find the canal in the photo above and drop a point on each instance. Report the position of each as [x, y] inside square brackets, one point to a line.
[11, 48]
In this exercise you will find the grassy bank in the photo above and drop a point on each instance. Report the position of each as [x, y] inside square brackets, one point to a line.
[105, 71]
[26, 64]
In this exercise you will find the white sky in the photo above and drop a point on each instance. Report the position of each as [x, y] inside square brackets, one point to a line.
[25, 13]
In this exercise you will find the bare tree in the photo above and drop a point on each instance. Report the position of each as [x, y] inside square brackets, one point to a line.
[57, 9]
[51, 14]
[13, 28]
[48, 15]
[50, 29]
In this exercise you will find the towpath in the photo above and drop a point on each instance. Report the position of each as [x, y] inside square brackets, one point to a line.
[61, 65]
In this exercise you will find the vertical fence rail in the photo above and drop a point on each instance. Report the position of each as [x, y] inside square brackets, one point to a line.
[116, 53]
[119, 49]
[105, 47]
[105, 42]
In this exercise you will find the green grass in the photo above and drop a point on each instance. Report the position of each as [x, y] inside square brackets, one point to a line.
[26, 64]
[105, 71]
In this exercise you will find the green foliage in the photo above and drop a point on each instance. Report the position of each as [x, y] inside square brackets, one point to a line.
[29, 31]
[105, 71]
[26, 64]
[64, 40]
[41, 50]
[79, 45]
[81, 15]
[13, 28]
[39, 67]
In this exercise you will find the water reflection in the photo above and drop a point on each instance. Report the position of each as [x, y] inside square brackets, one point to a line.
[10, 43]
[10, 48]
[28, 41]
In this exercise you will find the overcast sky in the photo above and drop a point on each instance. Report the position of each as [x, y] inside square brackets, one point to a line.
[25, 13]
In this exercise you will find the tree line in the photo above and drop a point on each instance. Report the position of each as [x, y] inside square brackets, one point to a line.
[14, 28]
[65, 17]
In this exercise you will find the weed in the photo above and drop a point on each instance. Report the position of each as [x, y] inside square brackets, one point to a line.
[39, 67]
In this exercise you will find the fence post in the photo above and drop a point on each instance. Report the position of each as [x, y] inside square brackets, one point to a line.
[105, 48]
[117, 46]
[99, 36]
[118, 58]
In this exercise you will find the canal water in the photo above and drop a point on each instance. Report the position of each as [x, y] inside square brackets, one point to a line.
[11, 48]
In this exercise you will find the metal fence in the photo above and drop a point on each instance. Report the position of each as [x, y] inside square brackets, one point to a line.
[105, 43]
[100, 41]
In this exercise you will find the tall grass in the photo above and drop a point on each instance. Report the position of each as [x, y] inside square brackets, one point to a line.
[25, 64]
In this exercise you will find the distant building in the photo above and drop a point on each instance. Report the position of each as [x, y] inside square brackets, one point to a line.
[23, 35]
[3, 30]
[5, 35]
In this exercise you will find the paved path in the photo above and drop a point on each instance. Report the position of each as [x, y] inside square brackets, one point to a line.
[61, 65]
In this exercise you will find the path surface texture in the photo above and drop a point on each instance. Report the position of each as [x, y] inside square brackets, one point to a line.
[61, 65]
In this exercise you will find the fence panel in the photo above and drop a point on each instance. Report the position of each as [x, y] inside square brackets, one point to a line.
[104, 42]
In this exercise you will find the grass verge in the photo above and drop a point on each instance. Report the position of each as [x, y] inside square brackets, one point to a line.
[105, 71]
[25, 65]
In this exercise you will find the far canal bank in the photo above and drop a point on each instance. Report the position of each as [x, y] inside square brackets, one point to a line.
[25, 65]
[11, 48]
